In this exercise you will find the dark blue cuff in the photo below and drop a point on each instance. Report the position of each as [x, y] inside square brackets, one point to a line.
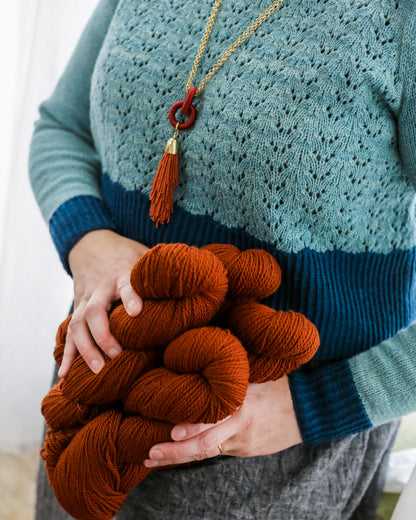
[327, 403]
[75, 218]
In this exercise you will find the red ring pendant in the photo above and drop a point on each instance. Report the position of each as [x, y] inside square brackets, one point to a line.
[186, 106]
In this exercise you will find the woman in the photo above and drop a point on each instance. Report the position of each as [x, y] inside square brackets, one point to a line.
[304, 145]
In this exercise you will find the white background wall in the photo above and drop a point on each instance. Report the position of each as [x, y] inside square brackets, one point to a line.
[8, 57]
[36, 40]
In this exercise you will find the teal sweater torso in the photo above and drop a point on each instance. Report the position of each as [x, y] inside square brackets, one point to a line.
[304, 144]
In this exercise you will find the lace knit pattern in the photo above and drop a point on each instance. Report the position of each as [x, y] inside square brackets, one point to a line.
[308, 103]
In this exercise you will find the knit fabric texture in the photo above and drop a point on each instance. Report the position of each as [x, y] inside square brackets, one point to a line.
[304, 145]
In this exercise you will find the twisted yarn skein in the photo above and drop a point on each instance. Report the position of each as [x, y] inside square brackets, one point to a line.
[252, 274]
[277, 342]
[182, 287]
[206, 367]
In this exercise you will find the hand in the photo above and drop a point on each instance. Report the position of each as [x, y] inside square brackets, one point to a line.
[100, 262]
[265, 423]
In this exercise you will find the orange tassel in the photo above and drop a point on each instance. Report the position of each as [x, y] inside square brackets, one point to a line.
[165, 181]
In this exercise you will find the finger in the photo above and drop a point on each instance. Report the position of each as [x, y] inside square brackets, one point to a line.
[97, 320]
[188, 430]
[79, 296]
[199, 447]
[131, 300]
[214, 452]
[83, 340]
[70, 352]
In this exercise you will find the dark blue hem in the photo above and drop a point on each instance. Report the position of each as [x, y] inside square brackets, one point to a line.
[73, 219]
[327, 403]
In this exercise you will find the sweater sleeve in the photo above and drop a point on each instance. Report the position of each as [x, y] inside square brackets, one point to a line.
[379, 384]
[352, 395]
[64, 166]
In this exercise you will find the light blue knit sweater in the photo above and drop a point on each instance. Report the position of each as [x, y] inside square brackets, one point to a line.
[304, 145]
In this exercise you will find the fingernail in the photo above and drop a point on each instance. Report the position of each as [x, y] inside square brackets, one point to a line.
[179, 433]
[60, 371]
[156, 455]
[150, 463]
[114, 352]
[96, 365]
[132, 306]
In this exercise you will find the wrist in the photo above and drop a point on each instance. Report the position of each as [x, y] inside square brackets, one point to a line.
[104, 246]
[88, 243]
[288, 411]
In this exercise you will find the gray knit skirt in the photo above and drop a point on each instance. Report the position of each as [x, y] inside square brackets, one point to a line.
[339, 480]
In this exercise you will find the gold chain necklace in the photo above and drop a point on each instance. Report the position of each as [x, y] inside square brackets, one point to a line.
[167, 178]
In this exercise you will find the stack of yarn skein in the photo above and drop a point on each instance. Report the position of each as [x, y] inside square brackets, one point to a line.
[200, 339]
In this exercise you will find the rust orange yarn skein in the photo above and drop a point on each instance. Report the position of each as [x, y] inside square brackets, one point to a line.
[183, 287]
[277, 342]
[206, 367]
[252, 274]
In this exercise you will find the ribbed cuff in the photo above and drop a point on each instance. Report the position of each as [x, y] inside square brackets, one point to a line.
[75, 218]
[327, 403]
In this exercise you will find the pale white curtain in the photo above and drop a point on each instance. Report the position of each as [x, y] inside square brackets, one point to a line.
[37, 39]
